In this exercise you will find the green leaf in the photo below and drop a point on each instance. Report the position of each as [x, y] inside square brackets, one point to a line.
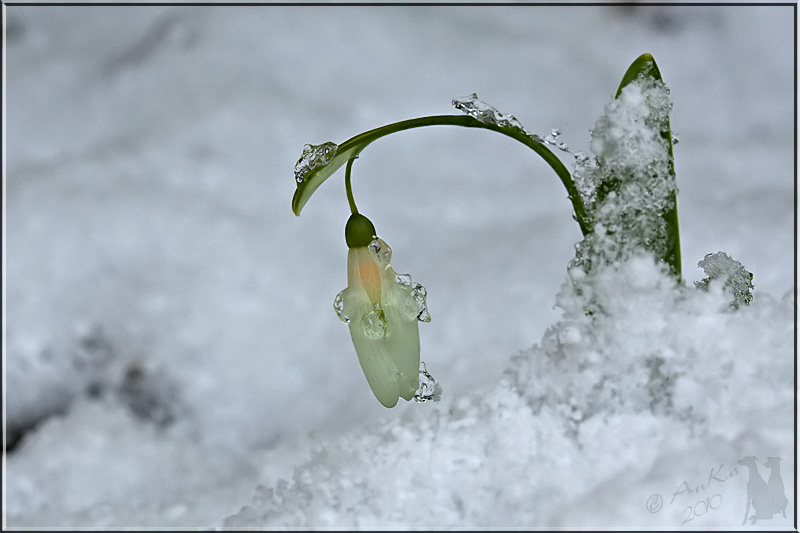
[645, 65]
[642, 65]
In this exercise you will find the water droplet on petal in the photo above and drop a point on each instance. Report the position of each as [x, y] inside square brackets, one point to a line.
[429, 390]
[374, 323]
[420, 294]
[338, 306]
[313, 156]
[403, 280]
[407, 306]
[381, 250]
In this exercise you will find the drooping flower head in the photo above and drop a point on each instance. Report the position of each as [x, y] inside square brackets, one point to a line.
[382, 309]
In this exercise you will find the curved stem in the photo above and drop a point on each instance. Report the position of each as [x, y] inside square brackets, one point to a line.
[353, 146]
[348, 188]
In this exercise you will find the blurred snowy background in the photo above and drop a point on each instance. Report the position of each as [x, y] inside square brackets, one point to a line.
[172, 354]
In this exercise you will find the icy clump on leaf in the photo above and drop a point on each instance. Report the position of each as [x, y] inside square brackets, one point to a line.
[583, 170]
[737, 280]
[631, 186]
[314, 156]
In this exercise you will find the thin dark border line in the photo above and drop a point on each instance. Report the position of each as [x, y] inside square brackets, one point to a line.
[411, 4]
[795, 266]
[481, 4]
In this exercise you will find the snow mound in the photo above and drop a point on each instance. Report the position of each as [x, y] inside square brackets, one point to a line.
[52, 478]
[581, 430]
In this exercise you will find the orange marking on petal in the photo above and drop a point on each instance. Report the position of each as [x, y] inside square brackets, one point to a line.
[371, 280]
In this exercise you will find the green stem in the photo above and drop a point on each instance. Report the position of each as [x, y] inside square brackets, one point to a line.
[348, 188]
[352, 147]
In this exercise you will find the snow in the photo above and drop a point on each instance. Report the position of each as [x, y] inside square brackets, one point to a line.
[586, 407]
[627, 136]
[632, 168]
[171, 355]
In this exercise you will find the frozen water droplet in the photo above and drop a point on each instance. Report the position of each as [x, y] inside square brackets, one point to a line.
[482, 111]
[552, 140]
[675, 139]
[429, 390]
[407, 306]
[338, 306]
[403, 279]
[381, 251]
[581, 158]
[313, 156]
[374, 323]
[536, 138]
[420, 294]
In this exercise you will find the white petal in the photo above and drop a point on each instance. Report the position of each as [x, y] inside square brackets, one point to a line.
[390, 362]
[386, 338]
[383, 375]
[403, 347]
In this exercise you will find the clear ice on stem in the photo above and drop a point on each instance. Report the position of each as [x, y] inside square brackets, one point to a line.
[482, 111]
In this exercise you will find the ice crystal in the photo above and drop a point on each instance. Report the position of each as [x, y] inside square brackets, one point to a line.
[482, 111]
[429, 390]
[583, 174]
[374, 323]
[338, 306]
[381, 251]
[420, 294]
[403, 279]
[313, 156]
[736, 279]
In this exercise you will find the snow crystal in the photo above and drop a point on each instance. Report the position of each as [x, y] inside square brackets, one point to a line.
[736, 279]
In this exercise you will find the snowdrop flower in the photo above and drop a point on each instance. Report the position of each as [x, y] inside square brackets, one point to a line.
[382, 309]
